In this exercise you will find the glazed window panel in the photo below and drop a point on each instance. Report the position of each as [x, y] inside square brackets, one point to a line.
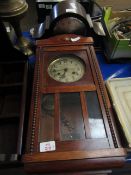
[71, 119]
[96, 124]
[46, 132]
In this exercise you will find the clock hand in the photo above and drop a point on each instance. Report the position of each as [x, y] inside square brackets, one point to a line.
[56, 70]
[63, 75]
[59, 73]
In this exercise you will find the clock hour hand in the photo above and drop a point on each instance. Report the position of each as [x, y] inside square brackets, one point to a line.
[57, 72]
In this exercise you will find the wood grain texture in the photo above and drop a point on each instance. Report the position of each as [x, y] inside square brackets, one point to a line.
[49, 85]
[75, 165]
[64, 40]
[85, 115]
[57, 118]
[54, 156]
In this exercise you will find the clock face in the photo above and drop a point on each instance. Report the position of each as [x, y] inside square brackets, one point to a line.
[67, 69]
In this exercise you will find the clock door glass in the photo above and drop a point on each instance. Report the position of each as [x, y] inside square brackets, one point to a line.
[47, 118]
[72, 125]
[95, 116]
[67, 69]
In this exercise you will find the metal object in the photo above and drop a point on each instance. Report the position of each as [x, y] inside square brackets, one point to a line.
[12, 8]
[98, 28]
[12, 11]
[38, 30]
[44, 7]
[69, 17]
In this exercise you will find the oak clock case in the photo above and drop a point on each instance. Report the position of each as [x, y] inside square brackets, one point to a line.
[70, 106]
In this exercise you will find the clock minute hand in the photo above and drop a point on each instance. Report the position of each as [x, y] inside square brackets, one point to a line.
[58, 70]
[63, 75]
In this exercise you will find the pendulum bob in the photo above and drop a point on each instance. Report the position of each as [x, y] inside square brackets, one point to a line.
[13, 11]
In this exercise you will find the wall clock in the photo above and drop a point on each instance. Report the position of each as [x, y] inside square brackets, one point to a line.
[71, 125]
[67, 68]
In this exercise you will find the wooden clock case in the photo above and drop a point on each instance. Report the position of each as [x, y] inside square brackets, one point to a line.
[91, 142]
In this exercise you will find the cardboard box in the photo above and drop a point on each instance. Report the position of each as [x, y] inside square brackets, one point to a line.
[116, 47]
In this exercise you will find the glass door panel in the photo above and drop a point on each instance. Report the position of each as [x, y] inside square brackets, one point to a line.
[95, 116]
[47, 118]
[72, 126]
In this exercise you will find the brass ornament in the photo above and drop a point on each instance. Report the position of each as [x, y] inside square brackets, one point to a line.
[13, 11]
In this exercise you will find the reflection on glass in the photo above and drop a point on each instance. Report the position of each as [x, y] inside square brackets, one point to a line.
[95, 116]
[72, 126]
[47, 118]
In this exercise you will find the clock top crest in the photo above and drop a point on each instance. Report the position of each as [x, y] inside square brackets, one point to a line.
[71, 124]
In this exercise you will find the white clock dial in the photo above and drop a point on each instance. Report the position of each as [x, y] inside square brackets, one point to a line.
[66, 69]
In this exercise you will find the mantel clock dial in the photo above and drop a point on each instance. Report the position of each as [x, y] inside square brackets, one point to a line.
[66, 69]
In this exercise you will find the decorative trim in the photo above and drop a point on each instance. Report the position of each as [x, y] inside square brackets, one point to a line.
[100, 83]
[36, 85]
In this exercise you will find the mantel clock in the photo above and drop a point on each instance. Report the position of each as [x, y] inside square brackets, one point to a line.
[71, 124]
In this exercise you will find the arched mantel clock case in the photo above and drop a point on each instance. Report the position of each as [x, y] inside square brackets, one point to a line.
[71, 125]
